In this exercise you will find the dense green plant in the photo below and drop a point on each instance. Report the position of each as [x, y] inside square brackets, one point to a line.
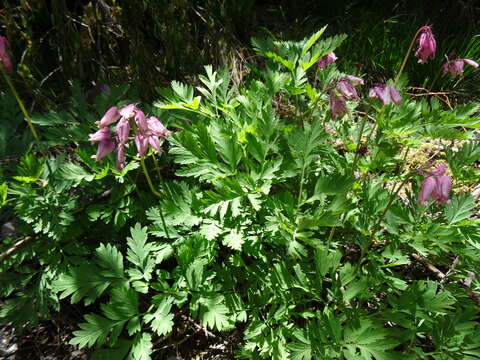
[301, 230]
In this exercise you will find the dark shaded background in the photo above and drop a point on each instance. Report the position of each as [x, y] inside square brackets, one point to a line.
[149, 42]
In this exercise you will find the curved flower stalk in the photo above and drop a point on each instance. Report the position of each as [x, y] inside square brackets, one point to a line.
[455, 67]
[435, 186]
[427, 47]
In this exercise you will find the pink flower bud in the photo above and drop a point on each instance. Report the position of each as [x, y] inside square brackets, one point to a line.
[427, 45]
[386, 94]
[120, 156]
[101, 135]
[346, 88]
[436, 186]
[353, 79]
[157, 128]
[128, 112]
[326, 60]
[112, 115]
[338, 105]
[105, 147]
[123, 130]
[141, 121]
[5, 59]
[142, 144]
[455, 67]
[154, 143]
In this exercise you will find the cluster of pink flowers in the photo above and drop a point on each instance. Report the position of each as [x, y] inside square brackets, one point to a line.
[346, 89]
[427, 46]
[455, 67]
[436, 185]
[4, 55]
[148, 132]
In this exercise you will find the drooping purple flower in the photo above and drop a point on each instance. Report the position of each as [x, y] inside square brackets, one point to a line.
[154, 143]
[123, 130]
[354, 79]
[338, 105]
[455, 67]
[427, 46]
[141, 121]
[112, 115]
[101, 135]
[105, 147]
[141, 141]
[436, 186]
[386, 94]
[128, 111]
[326, 60]
[121, 156]
[345, 86]
[157, 128]
[5, 59]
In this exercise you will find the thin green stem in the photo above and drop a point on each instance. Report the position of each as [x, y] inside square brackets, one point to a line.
[155, 192]
[407, 55]
[157, 168]
[20, 103]
[299, 200]
[375, 227]
[359, 140]
[330, 236]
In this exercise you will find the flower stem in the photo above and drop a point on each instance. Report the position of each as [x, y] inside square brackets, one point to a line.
[359, 142]
[155, 192]
[407, 55]
[365, 249]
[20, 103]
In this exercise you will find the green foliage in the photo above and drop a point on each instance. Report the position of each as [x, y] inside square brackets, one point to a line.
[271, 218]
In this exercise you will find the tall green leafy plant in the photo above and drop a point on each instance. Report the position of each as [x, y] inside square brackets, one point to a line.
[274, 215]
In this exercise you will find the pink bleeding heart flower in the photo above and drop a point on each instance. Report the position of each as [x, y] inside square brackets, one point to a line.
[338, 105]
[345, 86]
[141, 141]
[386, 94]
[105, 147]
[120, 156]
[101, 135]
[123, 130]
[154, 143]
[455, 67]
[326, 60]
[112, 115]
[141, 121]
[427, 46]
[157, 128]
[436, 186]
[5, 59]
[129, 111]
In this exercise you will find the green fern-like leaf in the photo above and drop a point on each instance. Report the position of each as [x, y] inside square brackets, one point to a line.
[94, 331]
